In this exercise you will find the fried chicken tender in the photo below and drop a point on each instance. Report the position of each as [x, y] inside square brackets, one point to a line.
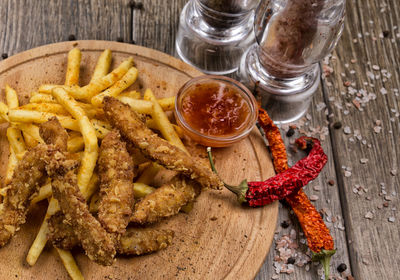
[134, 241]
[116, 172]
[138, 241]
[61, 234]
[152, 146]
[166, 201]
[96, 242]
[29, 175]
[53, 133]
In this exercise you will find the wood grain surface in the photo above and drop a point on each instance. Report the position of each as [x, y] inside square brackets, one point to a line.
[371, 244]
[362, 49]
[217, 239]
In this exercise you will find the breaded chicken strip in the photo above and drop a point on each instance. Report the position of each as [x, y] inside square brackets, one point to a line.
[94, 239]
[53, 133]
[134, 130]
[116, 172]
[138, 241]
[29, 175]
[61, 234]
[134, 241]
[166, 201]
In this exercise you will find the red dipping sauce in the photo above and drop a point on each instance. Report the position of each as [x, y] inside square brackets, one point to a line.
[215, 111]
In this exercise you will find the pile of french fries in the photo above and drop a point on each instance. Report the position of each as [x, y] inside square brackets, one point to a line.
[79, 110]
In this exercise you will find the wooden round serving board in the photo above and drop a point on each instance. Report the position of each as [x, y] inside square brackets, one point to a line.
[217, 240]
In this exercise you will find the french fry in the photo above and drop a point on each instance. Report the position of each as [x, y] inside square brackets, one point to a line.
[27, 116]
[148, 174]
[45, 107]
[92, 187]
[94, 203]
[11, 97]
[75, 91]
[138, 105]
[153, 125]
[101, 128]
[42, 98]
[75, 144]
[29, 141]
[102, 66]
[41, 238]
[4, 112]
[14, 137]
[12, 163]
[16, 141]
[70, 264]
[164, 125]
[167, 103]
[90, 155]
[98, 85]
[127, 80]
[31, 134]
[141, 189]
[132, 94]
[74, 63]
[44, 193]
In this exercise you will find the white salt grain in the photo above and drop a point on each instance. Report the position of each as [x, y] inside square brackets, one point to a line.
[369, 215]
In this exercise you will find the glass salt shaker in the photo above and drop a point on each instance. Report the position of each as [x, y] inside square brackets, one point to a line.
[292, 36]
[214, 34]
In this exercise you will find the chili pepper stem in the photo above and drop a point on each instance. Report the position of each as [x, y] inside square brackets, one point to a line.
[325, 263]
[240, 190]
[324, 257]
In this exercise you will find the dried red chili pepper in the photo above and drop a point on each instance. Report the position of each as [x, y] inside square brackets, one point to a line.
[285, 183]
[318, 236]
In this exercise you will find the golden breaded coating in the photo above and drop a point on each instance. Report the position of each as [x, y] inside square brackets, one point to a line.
[29, 175]
[127, 121]
[165, 201]
[61, 233]
[116, 172]
[94, 239]
[138, 241]
[134, 241]
[53, 133]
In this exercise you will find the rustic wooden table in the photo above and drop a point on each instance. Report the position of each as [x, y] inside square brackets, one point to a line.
[355, 112]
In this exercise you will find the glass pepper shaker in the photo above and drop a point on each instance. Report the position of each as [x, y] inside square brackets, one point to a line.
[214, 34]
[292, 36]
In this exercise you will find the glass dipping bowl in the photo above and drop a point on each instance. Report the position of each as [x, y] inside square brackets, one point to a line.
[215, 111]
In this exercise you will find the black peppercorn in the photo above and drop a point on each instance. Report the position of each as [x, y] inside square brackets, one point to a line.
[71, 37]
[285, 224]
[120, 39]
[4, 56]
[386, 33]
[342, 267]
[291, 260]
[290, 132]
[337, 125]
